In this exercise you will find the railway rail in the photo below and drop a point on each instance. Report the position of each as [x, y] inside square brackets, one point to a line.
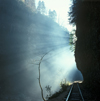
[74, 94]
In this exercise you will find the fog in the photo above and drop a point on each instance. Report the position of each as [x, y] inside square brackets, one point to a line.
[24, 38]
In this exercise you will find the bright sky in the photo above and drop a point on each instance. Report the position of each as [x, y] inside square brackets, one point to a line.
[62, 9]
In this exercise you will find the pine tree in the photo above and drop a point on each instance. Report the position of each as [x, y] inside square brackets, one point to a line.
[41, 7]
[30, 4]
[53, 14]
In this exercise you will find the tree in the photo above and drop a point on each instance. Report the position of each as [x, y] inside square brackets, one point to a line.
[30, 4]
[39, 79]
[41, 7]
[48, 89]
[53, 15]
[75, 12]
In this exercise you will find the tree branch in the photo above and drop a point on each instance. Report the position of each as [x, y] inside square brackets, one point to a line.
[39, 75]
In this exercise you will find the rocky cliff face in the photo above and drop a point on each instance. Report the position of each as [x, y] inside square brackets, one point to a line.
[86, 16]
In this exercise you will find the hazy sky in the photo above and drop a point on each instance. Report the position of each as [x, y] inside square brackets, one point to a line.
[62, 9]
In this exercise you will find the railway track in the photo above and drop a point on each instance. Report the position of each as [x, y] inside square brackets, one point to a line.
[74, 93]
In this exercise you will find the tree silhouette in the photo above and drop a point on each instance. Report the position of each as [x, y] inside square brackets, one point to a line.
[41, 7]
[39, 79]
[53, 14]
[48, 89]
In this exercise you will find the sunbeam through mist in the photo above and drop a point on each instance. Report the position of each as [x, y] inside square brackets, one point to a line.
[26, 35]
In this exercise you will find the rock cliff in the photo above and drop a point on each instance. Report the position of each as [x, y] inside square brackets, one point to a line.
[86, 16]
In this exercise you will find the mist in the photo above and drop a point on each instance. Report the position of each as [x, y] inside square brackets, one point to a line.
[24, 38]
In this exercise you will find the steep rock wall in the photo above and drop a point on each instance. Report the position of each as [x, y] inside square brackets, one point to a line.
[86, 16]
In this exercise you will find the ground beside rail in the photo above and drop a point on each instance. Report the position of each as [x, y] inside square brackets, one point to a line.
[61, 96]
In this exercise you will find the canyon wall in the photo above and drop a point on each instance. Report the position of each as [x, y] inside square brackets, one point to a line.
[86, 16]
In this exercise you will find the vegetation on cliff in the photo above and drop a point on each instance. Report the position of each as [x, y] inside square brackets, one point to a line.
[64, 87]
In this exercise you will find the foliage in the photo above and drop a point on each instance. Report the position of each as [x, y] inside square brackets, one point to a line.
[30, 4]
[63, 86]
[41, 7]
[75, 11]
[48, 89]
[53, 15]
[85, 12]
[72, 40]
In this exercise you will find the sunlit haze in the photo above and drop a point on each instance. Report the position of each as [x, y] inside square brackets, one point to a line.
[26, 37]
[62, 8]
